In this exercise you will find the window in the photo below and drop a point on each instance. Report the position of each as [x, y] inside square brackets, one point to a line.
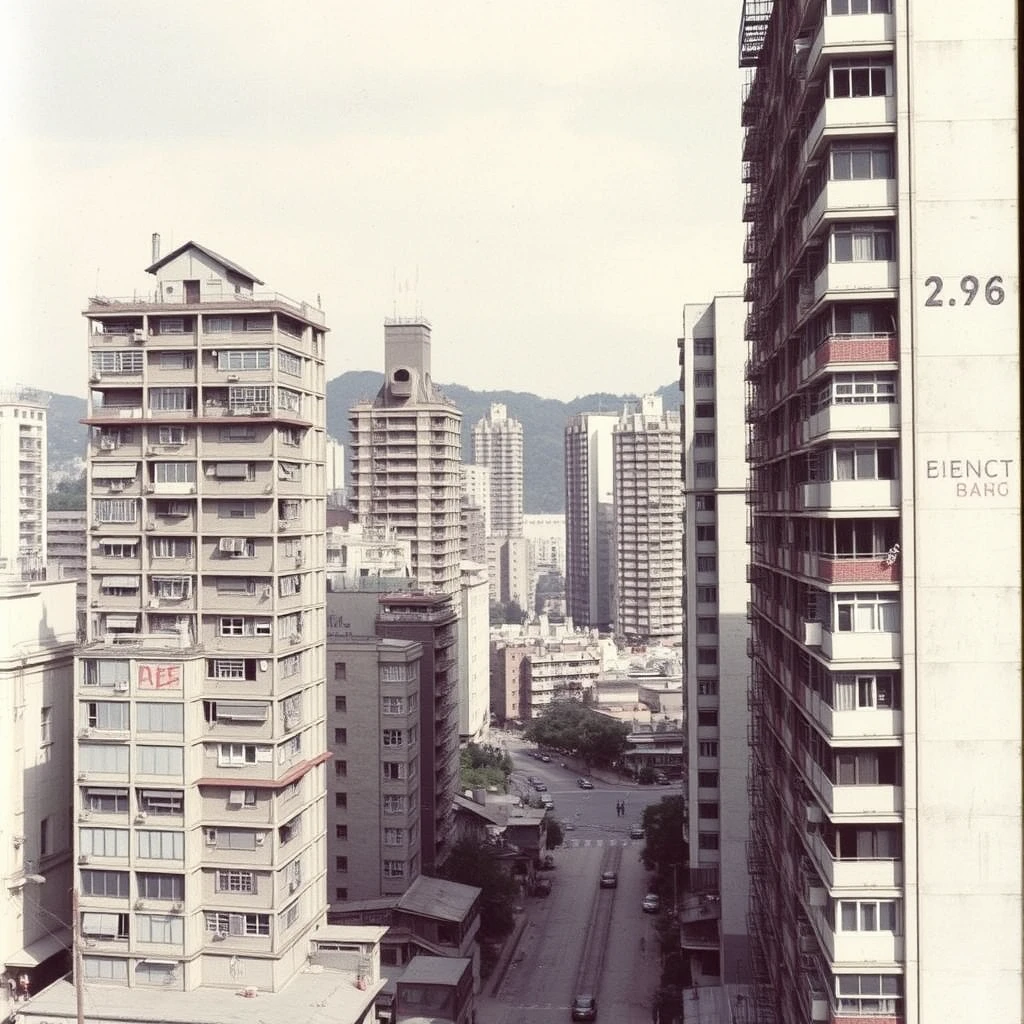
[289, 400]
[105, 968]
[103, 842]
[341, 893]
[289, 585]
[236, 754]
[341, 703]
[869, 916]
[289, 666]
[393, 737]
[238, 433]
[232, 470]
[289, 510]
[249, 399]
[119, 586]
[172, 399]
[867, 613]
[394, 869]
[393, 705]
[105, 883]
[341, 831]
[119, 549]
[103, 759]
[160, 845]
[856, 462]
[290, 436]
[704, 470]
[102, 800]
[866, 995]
[340, 670]
[873, 767]
[244, 359]
[704, 379]
[289, 471]
[706, 563]
[290, 748]
[341, 864]
[171, 547]
[708, 748]
[234, 838]
[237, 924]
[172, 588]
[707, 595]
[232, 625]
[341, 800]
[236, 881]
[707, 780]
[110, 927]
[115, 510]
[216, 324]
[172, 509]
[45, 725]
[704, 439]
[860, 161]
[289, 363]
[167, 802]
[707, 624]
[860, 77]
[162, 717]
[341, 736]
[707, 719]
[159, 761]
[394, 771]
[703, 347]
[289, 626]
[704, 410]
[707, 809]
[707, 655]
[707, 687]
[859, 7]
[706, 531]
[704, 502]
[236, 510]
[855, 243]
[174, 472]
[876, 691]
[394, 803]
[394, 837]
[230, 668]
[707, 840]
[175, 360]
[340, 769]
[241, 798]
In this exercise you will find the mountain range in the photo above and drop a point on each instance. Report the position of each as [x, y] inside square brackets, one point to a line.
[543, 421]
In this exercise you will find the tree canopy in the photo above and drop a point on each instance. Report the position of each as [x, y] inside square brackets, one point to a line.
[664, 845]
[482, 766]
[573, 727]
[475, 863]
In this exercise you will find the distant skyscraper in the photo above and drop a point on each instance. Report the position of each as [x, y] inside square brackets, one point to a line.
[335, 472]
[476, 485]
[498, 445]
[406, 451]
[713, 932]
[199, 722]
[589, 519]
[648, 500]
[23, 482]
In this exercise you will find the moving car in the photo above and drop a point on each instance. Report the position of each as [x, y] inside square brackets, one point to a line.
[651, 903]
[636, 831]
[545, 758]
[609, 880]
[584, 1007]
[539, 786]
[547, 800]
[584, 784]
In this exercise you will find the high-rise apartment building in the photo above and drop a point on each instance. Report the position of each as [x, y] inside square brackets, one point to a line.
[405, 458]
[647, 495]
[200, 692]
[23, 482]
[498, 445]
[713, 915]
[883, 406]
[589, 518]
[476, 485]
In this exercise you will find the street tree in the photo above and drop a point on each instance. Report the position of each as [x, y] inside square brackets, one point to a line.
[482, 766]
[664, 846]
[555, 834]
[475, 863]
[571, 726]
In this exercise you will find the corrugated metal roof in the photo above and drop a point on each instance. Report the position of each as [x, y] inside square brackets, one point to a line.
[437, 898]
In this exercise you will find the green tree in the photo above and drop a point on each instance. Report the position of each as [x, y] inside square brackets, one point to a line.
[556, 834]
[663, 834]
[475, 863]
[572, 726]
[506, 611]
[482, 766]
[67, 496]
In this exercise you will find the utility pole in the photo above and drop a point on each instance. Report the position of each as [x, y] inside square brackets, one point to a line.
[76, 958]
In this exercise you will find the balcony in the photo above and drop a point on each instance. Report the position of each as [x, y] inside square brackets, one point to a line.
[858, 724]
[859, 947]
[851, 420]
[863, 279]
[883, 873]
[851, 494]
[849, 569]
[242, 303]
[861, 198]
[863, 114]
[853, 801]
[842, 350]
[873, 33]
[856, 647]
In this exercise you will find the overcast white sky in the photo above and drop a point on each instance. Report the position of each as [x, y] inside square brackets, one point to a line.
[548, 182]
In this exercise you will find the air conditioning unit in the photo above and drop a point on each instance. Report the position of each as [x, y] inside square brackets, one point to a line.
[219, 936]
[140, 817]
[83, 858]
[138, 335]
[176, 908]
[213, 352]
[140, 904]
[232, 378]
[154, 602]
[94, 378]
[295, 638]
[211, 840]
[116, 486]
[149, 488]
[85, 731]
[150, 450]
[150, 524]
[121, 686]
[107, 444]
[84, 815]
[261, 838]
[94, 603]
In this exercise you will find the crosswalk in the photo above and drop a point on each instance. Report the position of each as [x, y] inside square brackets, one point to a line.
[587, 843]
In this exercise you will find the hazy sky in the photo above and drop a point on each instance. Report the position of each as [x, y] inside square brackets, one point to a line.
[549, 183]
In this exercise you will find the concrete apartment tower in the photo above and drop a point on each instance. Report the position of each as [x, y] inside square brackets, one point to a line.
[498, 445]
[405, 455]
[589, 519]
[200, 747]
[713, 916]
[883, 406]
[23, 482]
[647, 487]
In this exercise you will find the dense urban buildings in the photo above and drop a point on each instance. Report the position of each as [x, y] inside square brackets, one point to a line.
[647, 494]
[713, 917]
[589, 519]
[37, 638]
[474, 662]
[200, 694]
[883, 407]
[405, 458]
[67, 536]
[498, 445]
[23, 482]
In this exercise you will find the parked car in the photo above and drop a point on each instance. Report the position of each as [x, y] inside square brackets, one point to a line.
[542, 887]
[584, 1007]
[651, 903]
[636, 831]
[547, 800]
[532, 780]
[609, 880]
[584, 784]
[545, 758]
[540, 787]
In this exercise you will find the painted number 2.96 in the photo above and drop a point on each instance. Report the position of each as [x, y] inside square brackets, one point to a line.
[969, 285]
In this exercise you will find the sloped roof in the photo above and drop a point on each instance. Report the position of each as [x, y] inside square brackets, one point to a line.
[496, 815]
[437, 898]
[206, 252]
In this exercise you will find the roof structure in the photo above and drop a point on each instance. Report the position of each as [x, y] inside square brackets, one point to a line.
[438, 898]
[435, 970]
[206, 252]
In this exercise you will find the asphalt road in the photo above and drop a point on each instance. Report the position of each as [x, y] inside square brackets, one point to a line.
[574, 929]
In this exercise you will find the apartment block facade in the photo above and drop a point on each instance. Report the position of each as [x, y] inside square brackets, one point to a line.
[713, 916]
[405, 457]
[647, 494]
[23, 482]
[200, 693]
[498, 445]
[589, 519]
[883, 409]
